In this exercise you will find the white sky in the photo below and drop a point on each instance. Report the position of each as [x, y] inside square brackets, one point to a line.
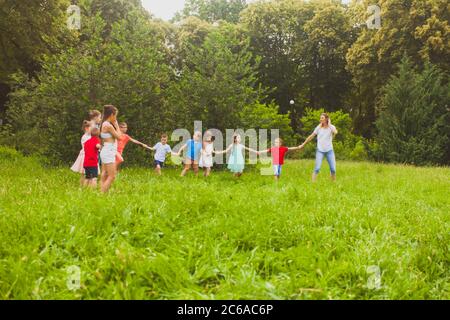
[165, 9]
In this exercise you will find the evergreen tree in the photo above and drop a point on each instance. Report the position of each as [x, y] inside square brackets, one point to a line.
[414, 123]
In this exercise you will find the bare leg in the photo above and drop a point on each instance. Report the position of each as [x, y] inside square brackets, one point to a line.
[82, 180]
[110, 170]
[185, 170]
[158, 170]
[195, 168]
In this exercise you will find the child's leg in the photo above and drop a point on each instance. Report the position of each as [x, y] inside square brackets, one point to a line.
[94, 183]
[82, 180]
[158, 169]
[195, 168]
[187, 166]
[207, 172]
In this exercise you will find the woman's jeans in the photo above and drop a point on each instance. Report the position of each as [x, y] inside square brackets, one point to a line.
[330, 158]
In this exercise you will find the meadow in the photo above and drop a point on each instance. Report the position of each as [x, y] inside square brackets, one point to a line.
[222, 238]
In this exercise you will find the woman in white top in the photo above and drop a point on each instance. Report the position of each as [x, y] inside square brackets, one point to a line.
[325, 133]
[109, 133]
[206, 157]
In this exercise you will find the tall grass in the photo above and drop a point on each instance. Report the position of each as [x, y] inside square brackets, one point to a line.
[221, 238]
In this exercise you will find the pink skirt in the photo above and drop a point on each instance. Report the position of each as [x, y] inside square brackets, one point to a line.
[78, 165]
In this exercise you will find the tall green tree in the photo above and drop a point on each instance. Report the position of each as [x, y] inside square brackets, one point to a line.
[418, 28]
[212, 10]
[28, 30]
[217, 80]
[414, 123]
[303, 47]
[128, 70]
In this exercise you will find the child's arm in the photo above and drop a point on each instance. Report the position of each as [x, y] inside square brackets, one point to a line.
[138, 143]
[181, 150]
[251, 150]
[224, 151]
[294, 148]
[98, 146]
[148, 147]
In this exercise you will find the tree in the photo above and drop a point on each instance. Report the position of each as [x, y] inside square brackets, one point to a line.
[128, 70]
[266, 116]
[29, 29]
[417, 28]
[212, 10]
[302, 46]
[414, 123]
[217, 80]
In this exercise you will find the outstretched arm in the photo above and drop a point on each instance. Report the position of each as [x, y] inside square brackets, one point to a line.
[307, 140]
[180, 151]
[294, 148]
[224, 151]
[139, 143]
[148, 147]
[251, 150]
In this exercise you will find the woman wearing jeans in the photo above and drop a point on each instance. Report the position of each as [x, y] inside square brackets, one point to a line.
[325, 132]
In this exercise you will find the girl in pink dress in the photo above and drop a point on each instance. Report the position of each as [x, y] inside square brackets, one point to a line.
[78, 165]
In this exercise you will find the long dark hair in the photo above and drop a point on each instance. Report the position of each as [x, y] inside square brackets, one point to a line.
[108, 110]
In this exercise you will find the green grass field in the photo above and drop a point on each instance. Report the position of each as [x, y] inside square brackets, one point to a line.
[221, 238]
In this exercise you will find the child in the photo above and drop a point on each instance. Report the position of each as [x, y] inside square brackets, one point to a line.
[236, 162]
[78, 165]
[161, 148]
[206, 157]
[122, 142]
[278, 152]
[95, 118]
[90, 162]
[193, 149]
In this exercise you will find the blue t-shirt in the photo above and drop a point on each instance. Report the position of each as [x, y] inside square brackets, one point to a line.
[161, 150]
[194, 149]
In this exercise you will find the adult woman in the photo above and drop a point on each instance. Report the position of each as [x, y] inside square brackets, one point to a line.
[109, 133]
[325, 132]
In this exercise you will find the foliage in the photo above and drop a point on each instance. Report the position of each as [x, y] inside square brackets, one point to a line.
[414, 123]
[171, 238]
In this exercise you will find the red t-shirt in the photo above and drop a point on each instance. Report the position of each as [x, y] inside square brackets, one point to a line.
[278, 154]
[91, 152]
[122, 142]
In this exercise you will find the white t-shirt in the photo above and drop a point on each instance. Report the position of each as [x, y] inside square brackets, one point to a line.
[161, 150]
[324, 138]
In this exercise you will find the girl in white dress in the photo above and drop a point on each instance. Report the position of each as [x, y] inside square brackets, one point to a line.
[78, 164]
[206, 157]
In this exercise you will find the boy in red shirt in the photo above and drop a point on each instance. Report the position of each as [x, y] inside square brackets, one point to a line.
[121, 143]
[90, 163]
[278, 152]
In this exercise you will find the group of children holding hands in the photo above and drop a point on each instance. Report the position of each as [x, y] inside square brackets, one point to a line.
[108, 152]
[198, 153]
